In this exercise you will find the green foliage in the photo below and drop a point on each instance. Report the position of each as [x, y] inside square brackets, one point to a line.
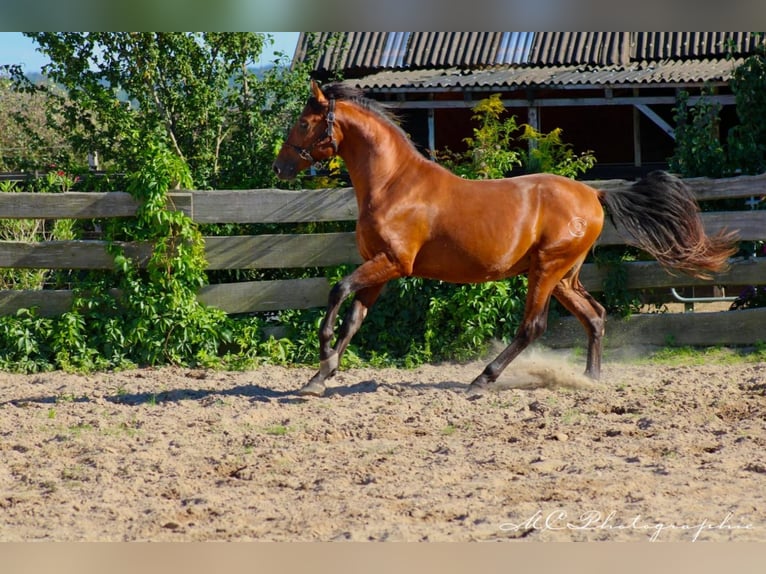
[162, 319]
[145, 315]
[25, 340]
[549, 154]
[198, 92]
[615, 297]
[747, 141]
[461, 323]
[493, 150]
[167, 109]
[491, 154]
[419, 320]
[698, 148]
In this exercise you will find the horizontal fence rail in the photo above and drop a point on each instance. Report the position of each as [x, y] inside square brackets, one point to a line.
[275, 251]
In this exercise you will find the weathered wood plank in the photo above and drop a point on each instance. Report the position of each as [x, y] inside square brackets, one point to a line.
[693, 329]
[705, 189]
[240, 252]
[281, 251]
[246, 297]
[73, 254]
[750, 225]
[253, 296]
[651, 275]
[80, 205]
[48, 303]
[274, 206]
[728, 188]
[70, 205]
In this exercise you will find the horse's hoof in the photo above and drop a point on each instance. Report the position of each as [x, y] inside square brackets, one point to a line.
[313, 389]
[475, 391]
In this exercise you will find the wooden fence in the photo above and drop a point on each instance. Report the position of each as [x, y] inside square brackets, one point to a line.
[328, 249]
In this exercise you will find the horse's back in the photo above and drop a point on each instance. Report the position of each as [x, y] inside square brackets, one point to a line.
[540, 201]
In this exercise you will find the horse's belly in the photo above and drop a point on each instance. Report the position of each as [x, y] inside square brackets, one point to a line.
[460, 267]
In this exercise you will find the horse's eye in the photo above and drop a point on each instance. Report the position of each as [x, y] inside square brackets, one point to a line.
[304, 125]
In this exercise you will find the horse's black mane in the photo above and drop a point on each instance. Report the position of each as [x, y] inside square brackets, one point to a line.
[340, 91]
[350, 93]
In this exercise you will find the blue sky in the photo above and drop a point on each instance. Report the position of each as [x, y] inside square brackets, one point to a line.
[15, 48]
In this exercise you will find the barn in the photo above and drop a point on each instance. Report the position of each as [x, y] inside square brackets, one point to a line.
[612, 93]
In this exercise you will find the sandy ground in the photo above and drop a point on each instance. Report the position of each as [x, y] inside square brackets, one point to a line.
[662, 453]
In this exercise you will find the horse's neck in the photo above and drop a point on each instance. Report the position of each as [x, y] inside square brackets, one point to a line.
[375, 153]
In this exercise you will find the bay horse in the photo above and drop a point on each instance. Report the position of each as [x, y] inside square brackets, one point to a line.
[417, 218]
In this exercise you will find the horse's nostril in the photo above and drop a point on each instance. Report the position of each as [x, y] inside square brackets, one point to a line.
[276, 169]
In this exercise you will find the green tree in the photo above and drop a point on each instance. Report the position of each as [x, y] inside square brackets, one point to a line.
[197, 92]
[27, 141]
[747, 141]
[167, 110]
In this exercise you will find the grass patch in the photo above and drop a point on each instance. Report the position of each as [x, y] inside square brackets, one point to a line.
[692, 356]
[277, 430]
[449, 430]
[78, 429]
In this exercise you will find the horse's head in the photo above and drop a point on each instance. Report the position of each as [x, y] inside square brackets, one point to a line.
[311, 139]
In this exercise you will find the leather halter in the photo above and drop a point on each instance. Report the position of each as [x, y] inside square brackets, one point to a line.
[305, 153]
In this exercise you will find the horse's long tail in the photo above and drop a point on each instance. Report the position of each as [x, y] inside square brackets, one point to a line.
[660, 215]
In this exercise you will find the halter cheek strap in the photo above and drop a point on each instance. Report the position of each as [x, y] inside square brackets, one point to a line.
[305, 153]
[331, 124]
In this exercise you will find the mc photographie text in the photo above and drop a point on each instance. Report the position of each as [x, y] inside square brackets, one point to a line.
[595, 521]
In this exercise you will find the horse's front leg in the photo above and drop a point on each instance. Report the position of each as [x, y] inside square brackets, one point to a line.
[368, 280]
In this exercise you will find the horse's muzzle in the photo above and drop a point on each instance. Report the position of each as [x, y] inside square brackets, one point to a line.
[284, 169]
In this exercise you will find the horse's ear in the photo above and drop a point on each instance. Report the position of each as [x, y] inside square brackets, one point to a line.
[316, 92]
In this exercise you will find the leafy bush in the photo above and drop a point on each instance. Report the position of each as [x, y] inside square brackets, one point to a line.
[133, 315]
[32, 230]
[698, 149]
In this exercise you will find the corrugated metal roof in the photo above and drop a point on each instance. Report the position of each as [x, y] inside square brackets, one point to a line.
[345, 51]
[369, 52]
[373, 50]
[514, 48]
[682, 45]
[593, 48]
[462, 49]
[395, 49]
[689, 71]
[458, 60]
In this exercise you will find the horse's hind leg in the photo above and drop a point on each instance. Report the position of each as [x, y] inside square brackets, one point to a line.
[539, 289]
[572, 295]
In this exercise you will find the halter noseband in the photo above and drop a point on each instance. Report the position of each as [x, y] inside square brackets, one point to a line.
[305, 153]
